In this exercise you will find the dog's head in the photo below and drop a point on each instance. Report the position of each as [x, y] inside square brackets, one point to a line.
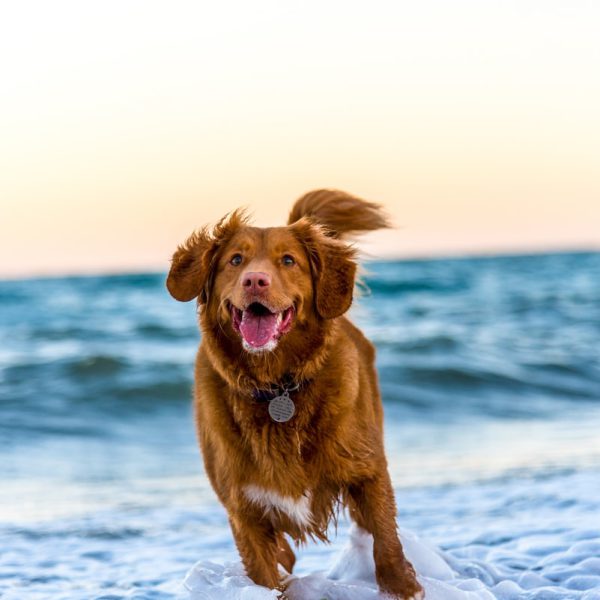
[261, 285]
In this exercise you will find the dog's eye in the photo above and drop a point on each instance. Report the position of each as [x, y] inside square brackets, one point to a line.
[236, 260]
[288, 260]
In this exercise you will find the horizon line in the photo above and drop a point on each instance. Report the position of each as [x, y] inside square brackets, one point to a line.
[363, 257]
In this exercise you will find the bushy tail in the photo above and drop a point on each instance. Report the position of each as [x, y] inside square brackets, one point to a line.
[340, 213]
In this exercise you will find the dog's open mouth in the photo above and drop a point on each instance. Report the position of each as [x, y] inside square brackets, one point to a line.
[259, 326]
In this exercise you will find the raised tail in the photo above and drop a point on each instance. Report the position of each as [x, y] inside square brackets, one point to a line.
[340, 213]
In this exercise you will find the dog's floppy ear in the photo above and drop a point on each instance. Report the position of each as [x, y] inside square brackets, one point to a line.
[190, 267]
[192, 264]
[334, 281]
[333, 268]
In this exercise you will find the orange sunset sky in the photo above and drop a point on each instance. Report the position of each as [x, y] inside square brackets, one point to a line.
[125, 125]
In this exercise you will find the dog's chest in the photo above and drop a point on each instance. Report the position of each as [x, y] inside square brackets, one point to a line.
[273, 503]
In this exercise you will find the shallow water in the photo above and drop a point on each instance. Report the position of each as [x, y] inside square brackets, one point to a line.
[490, 373]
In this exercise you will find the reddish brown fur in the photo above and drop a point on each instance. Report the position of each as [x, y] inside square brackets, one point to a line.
[339, 212]
[333, 446]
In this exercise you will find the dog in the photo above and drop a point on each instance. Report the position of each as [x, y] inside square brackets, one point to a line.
[287, 403]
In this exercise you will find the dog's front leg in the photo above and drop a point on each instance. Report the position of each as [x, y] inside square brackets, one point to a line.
[373, 508]
[256, 541]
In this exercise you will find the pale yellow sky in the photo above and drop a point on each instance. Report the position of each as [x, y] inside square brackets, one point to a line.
[125, 125]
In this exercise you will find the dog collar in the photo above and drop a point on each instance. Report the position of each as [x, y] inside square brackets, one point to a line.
[284, 387]
[281, 406]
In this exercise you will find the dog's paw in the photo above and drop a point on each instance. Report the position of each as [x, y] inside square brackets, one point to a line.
[420, 595]
[282, 589]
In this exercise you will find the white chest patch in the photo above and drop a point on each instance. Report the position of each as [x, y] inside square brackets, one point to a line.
[297, 509]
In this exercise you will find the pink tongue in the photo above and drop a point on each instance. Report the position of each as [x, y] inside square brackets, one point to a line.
[258, 330]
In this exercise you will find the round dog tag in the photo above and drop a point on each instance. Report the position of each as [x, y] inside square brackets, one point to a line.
[281, 408]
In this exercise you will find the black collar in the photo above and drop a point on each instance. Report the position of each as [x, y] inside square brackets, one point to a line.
[287, 384]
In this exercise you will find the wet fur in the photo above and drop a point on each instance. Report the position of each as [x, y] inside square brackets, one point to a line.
[331, 451]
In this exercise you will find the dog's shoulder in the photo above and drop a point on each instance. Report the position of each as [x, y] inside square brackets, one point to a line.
[354, 335]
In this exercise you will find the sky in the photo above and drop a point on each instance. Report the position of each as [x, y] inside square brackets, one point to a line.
[126, 125]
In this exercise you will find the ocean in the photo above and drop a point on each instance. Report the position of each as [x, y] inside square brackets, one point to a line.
[490, 375]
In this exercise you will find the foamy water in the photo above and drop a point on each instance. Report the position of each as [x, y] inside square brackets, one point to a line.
[518, 537]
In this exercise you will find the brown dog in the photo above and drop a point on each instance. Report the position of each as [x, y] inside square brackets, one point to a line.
[286, 396]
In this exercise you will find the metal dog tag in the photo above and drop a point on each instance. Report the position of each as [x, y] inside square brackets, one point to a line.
[282, 408]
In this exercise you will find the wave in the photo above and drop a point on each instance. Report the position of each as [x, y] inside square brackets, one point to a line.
[95, 365]
[486, 336]
[404, 287]
[428, 344]
[154, 330]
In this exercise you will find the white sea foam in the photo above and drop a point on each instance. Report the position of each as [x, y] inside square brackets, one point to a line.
[516, 538]
[351, 577]
[536, 542]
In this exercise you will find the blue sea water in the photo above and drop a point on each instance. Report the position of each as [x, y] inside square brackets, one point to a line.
[490, 375]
